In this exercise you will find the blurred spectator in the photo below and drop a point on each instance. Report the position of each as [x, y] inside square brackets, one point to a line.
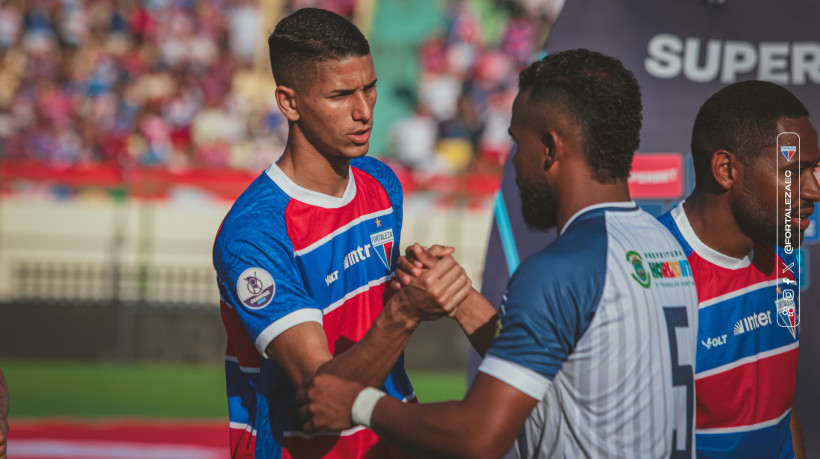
[468, 85]
[172, 83]
[414, 140]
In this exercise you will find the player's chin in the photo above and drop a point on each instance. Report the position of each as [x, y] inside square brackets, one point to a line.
[356, 151]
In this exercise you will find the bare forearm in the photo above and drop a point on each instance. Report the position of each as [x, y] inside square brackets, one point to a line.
[434, 429]
[370, 360]
[477, 318]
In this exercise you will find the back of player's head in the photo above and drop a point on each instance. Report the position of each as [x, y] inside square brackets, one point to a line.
[599, 96]
[308, 36]
[741, 119]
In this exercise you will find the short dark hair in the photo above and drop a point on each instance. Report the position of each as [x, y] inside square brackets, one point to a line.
[741, 119]
[598, 95]
[308, 36]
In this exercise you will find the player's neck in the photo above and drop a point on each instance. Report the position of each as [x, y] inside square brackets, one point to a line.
[713, 222]
[580, 195]
[310, 169]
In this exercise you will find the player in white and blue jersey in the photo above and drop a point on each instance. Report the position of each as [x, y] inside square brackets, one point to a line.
[595, 341]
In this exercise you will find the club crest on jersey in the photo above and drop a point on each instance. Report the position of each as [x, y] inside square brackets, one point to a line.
[788, 151]
[382, 243]
[640, 274]
[255, 288]
[787, 312]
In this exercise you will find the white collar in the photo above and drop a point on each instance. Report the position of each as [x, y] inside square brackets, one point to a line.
[311, 197]
[704, 251]
[620, 204]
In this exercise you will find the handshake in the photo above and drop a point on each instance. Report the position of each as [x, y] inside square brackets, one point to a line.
[428, 284]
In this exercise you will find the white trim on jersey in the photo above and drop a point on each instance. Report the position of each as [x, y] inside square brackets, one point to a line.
[621, 204]
[242, 426]
[353, 293]
[745, 360]
[275, 329]
[704, 251]
[749, 428]
[518, 376]
[344, 433]
[737, 293]
[234, 359]
[311, 197]
[341, 230]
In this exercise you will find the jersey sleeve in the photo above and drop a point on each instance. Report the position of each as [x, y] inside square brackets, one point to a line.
[549, 304]
[388, 180]
[259, 279]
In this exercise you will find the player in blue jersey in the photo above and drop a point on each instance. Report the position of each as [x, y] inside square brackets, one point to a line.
[748, 196]
[303, 256]
[594, 350]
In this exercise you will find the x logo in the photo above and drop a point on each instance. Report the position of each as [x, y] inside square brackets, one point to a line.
[788, 268]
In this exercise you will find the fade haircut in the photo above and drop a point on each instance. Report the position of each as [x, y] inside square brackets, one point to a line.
[600, 97]
[741, 119]
[309, 36]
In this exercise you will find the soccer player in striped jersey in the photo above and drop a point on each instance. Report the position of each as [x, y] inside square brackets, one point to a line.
[303, 256]
[595, 342]
[747, 356]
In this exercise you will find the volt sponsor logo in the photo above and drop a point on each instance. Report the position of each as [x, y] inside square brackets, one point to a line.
[703, 60]
[332, 277]
[709, 343]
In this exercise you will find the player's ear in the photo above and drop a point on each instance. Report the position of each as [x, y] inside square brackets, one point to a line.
[724, 168]
[286, 99]
[549, 142]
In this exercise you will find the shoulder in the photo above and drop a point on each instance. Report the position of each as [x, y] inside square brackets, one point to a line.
[378, 170]
[572, 264]
[669, 220]
[256, 218]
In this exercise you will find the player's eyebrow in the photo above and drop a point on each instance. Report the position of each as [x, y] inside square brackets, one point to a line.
[347, 91]
[808, 164]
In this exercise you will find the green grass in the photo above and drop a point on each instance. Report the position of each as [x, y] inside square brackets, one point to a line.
[90, 390]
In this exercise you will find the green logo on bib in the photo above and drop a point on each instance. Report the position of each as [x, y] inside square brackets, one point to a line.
[640, 275]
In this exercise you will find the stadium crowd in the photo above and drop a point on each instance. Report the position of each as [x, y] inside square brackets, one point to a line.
[173, 83]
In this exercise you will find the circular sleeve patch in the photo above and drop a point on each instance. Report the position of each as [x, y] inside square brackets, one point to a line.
[255, 288]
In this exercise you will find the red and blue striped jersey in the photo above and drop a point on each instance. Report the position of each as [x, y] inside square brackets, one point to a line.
[284, 256]
[746, 361]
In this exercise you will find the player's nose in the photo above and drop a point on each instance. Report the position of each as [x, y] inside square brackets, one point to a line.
[810, 187]
[363, 103]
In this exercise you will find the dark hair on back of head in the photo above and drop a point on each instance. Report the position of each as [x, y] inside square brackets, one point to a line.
[308, 36]
[741, 119]
[599, 96]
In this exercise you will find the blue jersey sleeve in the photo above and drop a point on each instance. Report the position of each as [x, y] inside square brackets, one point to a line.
[388, 180]
[258, 278]
[549, 304]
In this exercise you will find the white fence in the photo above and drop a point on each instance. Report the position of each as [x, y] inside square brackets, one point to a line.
[160, 252]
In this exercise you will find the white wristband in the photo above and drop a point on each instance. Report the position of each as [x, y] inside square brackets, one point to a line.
[364, 405]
